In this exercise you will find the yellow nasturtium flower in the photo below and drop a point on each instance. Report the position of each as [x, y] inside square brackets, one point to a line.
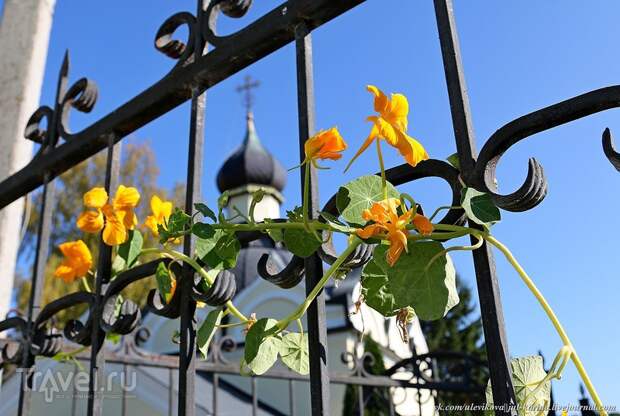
[115, 218]
[77, 261]
[386, 221]
[161, 212]
[326, 144]
[391, 126]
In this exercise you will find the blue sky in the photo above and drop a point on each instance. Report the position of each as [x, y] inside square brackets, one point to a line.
[518, 57]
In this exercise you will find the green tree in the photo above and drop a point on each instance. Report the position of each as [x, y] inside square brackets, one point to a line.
[139, 169]
[459, 331]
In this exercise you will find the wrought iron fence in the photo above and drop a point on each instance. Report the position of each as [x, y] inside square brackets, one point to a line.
[197, 70]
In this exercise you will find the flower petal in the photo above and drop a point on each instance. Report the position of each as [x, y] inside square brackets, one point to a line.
[151, 222]
[127, 217]
[399, 110]
[90, 221]
[96, 198]
[410, 149]
[78, 261]
[422, 224]
[371, 137]
[114, 232]
[65, 272]
[382, 102]
[156, 205]
[326, 144]
[126, 197]
[370, 231]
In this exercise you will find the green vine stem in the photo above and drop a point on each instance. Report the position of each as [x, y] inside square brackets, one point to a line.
[299, 312]
[382, 167]
[305, 213]
[554, 320]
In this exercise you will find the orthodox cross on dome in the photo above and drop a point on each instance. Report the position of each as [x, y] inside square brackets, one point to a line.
[246, 89]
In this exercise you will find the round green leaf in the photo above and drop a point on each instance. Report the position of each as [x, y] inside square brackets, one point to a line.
[300, 242]
[294, 352]
[479, 207]
[356, 196]
[431, 293]
[262, 345]
[527, 372]
[376, 291]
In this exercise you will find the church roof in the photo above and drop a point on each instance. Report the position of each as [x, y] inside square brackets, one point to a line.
[251, 164]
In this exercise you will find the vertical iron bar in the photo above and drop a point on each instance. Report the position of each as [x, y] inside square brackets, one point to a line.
[74, 392]
[43, 240]
[104, 273]
[486, 278]
[170, 392]
[360, 400]
[254, 397]
[43, 237]
[390, 400]
[124, 390]
[291, 395]
[216, 386]
[317, 333]
[187, 352]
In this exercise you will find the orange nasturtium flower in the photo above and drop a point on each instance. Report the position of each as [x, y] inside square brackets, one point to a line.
[161, 212]
[77, 261]
[326, 144]
[113, 218]
[391, 125]
[386, 221]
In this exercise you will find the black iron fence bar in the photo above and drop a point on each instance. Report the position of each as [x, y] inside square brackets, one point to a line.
[317, 329]
[486, 278]
[103, 276]
[187, 347]
[262, 37]
[47, 142]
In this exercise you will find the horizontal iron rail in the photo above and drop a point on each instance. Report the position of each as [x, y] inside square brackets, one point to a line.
[239, 50]
[172, 362]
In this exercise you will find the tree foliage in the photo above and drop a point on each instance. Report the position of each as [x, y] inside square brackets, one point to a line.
[138, 168]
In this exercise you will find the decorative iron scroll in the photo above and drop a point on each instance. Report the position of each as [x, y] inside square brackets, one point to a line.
[82, 96]
[443, 370]
[534, 189]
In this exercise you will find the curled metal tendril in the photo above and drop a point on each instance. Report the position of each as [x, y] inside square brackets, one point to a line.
[288, 277]
[293, 272]
[223, 289]
[34, 130]
[443, 368]
[82, 96]
[74, 330]
[12, 351]
[360, 364]
[534, 189]
[173, 48]
[124, 318]
[120, 319]
[231, 8]
[610, 149]
[219, 347]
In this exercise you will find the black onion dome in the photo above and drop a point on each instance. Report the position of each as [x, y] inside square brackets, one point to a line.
[252, 164]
